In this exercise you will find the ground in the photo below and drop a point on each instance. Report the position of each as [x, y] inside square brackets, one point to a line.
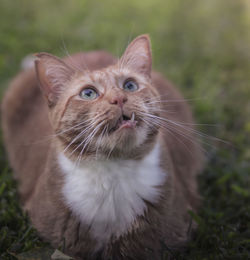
[201, 46]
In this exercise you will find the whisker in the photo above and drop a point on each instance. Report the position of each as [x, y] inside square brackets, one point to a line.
[72, 62]
[153, 109]
[90, 137]
[98, 142]
[50, 137]
[111, 150]
[170, 125]
[74, 127]
[183, 126]
[86, 140]
[81, 134]
[187, 137]
[172, 134]
[160, 99]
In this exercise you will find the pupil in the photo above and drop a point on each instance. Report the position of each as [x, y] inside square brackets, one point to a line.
[129, 85]
[88, 92]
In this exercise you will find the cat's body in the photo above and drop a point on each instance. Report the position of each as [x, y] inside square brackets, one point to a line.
[124, 204]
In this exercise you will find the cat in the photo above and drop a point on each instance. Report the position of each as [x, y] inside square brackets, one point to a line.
[104, 168]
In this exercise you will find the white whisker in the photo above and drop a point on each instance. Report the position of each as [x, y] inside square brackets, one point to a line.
[72, 63]
[84, 131]
[89, 138]
[98, 142]
[183, 125]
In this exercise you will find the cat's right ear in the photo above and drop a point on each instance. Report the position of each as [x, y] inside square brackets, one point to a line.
[52, 74]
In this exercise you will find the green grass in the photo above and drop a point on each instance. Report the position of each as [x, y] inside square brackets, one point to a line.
[201, 46]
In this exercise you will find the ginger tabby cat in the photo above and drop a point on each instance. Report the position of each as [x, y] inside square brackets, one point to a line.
[103, 166]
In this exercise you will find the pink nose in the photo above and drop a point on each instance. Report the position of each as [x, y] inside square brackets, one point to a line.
[118, 100]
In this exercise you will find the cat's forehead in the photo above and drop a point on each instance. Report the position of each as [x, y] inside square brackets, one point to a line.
[108, 78]
[105, 76]
[110, 75]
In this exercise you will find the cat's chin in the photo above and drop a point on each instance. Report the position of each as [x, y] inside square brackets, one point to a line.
[119, 143]
[126, 138]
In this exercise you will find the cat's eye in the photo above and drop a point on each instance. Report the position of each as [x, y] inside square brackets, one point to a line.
[89, 94]
[130, 85]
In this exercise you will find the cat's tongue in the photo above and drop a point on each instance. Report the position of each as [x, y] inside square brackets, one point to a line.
[125, 122]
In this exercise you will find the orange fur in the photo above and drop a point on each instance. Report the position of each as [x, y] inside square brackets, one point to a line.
[37, 127]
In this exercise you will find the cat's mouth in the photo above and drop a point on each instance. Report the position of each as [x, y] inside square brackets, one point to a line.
[125, 121]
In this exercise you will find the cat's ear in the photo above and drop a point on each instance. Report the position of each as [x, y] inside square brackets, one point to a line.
[52, 74]
[138, 55]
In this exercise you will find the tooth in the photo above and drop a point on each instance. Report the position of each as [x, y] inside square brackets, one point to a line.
[133, 117]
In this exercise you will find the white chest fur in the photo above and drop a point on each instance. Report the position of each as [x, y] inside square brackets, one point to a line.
[109, 195]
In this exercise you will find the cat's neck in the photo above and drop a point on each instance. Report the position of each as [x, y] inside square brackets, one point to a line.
[110, 194]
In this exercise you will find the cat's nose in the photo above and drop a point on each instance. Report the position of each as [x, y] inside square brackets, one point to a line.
[118, 100]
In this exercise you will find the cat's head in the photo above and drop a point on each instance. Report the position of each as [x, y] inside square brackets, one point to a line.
[102, 112]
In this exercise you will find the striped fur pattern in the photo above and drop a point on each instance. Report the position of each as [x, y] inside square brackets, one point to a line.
[106, 168]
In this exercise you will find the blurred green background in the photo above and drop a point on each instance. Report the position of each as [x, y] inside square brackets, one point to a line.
[201, 46]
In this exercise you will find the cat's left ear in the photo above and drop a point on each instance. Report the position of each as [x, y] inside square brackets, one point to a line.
[52, 74]
[138, 56]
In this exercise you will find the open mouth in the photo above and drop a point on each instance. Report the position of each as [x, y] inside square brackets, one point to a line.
[125, 122]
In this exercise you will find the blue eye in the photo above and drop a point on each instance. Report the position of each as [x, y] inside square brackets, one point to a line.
[130, 86]
[88, 93]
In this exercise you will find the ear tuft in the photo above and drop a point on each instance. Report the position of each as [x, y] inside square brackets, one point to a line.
[52, 74]
[138, 55]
